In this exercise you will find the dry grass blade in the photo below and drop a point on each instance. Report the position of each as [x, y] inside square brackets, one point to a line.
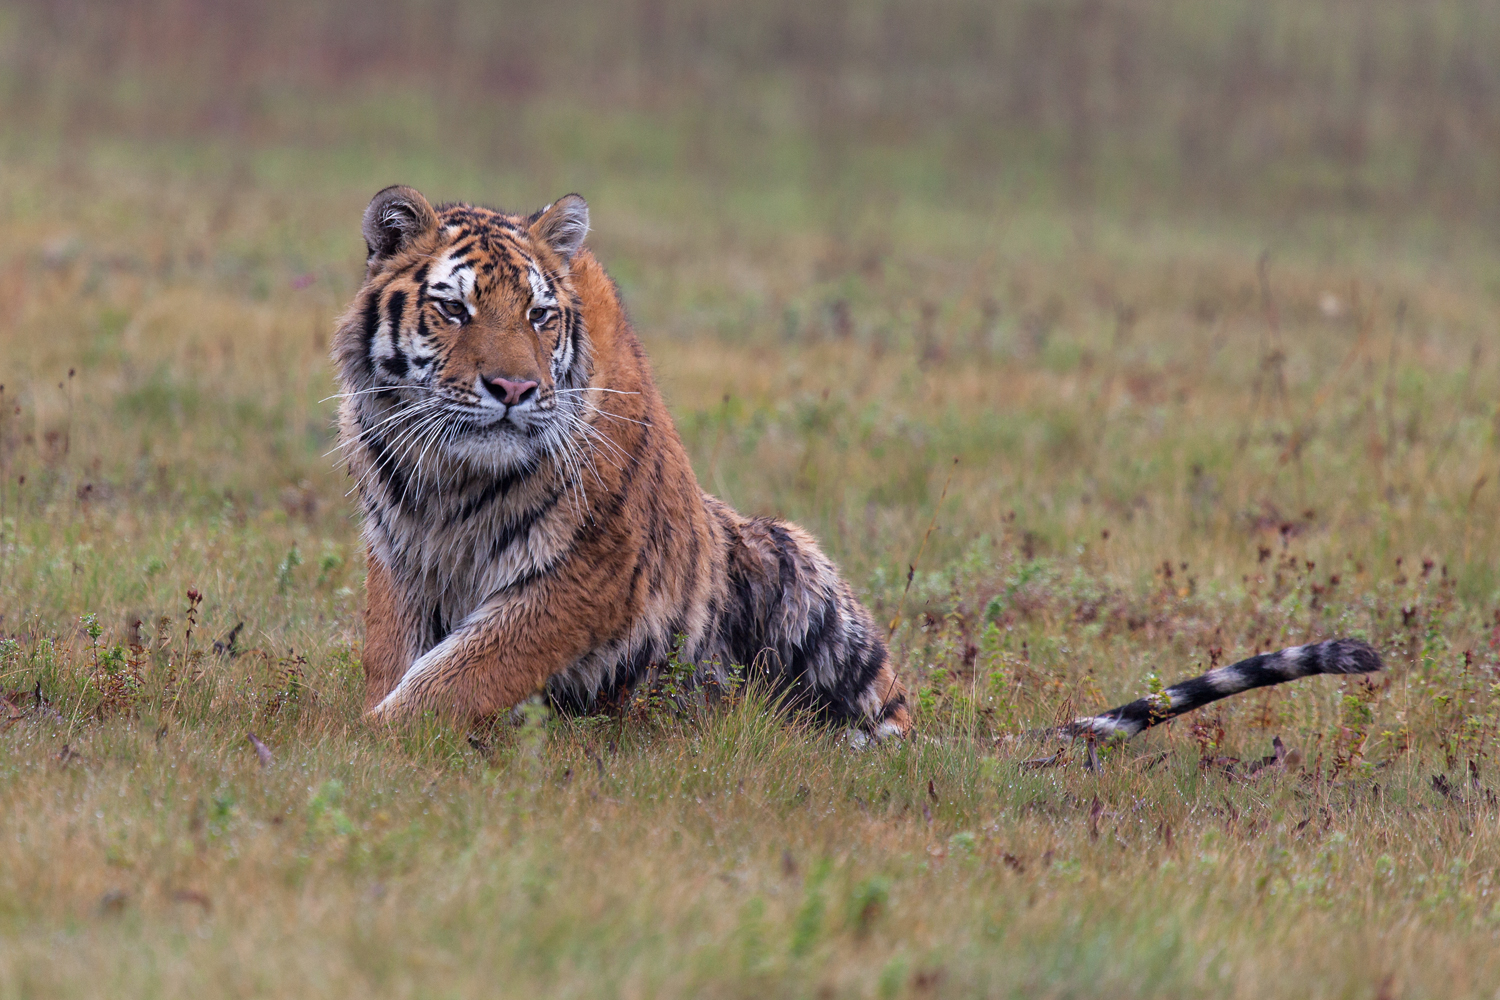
[262, 752]
[1040, 762]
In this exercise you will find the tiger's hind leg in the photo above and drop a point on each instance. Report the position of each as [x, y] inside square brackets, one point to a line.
[801, 616]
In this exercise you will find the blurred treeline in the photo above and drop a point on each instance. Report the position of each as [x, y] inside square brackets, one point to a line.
[1362, 104]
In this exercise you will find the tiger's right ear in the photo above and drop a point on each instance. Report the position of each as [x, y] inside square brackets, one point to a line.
[396, 217]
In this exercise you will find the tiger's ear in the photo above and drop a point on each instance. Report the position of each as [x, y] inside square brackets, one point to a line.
[396, 217]
[562, 225]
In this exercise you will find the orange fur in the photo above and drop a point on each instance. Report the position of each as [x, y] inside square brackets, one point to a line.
[384, 658]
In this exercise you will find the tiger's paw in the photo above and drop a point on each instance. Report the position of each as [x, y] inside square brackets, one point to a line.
[391, 709]
[896, 723]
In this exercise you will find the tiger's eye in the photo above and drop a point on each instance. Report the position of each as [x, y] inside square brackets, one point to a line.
[539, 315]
[453, 310]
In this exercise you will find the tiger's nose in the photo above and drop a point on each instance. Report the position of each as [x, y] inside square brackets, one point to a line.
[508, 392]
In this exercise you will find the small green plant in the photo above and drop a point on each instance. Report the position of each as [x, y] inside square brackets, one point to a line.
[808, 924]
[673, 692]
[287, 567]
[329, 563]
[867, 903]
[325, 814]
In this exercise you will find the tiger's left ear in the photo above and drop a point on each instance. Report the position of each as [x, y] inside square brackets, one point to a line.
[395, 218]
[562, 225]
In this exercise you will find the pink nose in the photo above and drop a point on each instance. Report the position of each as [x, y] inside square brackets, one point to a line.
[508, 392]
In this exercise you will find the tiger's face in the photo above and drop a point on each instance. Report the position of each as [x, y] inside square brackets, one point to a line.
[470, 340]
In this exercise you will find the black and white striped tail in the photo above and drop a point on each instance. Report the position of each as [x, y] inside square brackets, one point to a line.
[1336, 656]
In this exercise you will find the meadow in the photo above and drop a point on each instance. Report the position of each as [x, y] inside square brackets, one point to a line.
[1098, 342]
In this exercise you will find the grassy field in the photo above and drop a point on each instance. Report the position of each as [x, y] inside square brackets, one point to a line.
[1122, 391]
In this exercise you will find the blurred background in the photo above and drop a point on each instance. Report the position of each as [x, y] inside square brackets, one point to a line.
[1383, 106]
[1176, 283]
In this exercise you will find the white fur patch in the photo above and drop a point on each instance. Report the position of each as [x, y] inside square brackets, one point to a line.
[383, 347]
[540, 293]
[1226, 680]
[452, 277]
[393, 702]
[870, 703]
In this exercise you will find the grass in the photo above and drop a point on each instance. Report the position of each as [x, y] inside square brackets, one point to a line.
[1146, 433]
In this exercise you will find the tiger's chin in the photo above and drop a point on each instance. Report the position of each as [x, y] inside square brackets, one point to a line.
[497, 449]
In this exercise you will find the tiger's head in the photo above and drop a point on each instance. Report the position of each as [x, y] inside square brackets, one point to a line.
[467, 340]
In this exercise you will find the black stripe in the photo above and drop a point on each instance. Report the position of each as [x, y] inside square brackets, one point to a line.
[607, 515]
[384, 462]
[493, 490]
[395, 312]
[803, 651]
[520, 529]
[741, 627]
[571, 328]
[888, 708]
[863, 656]
[1338, 656]
[694, 550]
[510, 270]
[658, 529]
[784, 549]
[371, 321]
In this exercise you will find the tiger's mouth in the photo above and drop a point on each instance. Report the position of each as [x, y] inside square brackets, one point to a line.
[474, 423]
[491, 418]
[488, 425]
[500, 438]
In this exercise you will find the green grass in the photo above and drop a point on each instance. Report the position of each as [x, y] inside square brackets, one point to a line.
[1166, 456]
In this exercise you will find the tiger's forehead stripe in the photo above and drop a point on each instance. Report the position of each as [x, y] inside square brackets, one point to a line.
[541, 289]
[481, 244]
[452, 271]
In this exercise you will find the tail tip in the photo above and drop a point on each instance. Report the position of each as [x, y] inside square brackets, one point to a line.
[1351, 656]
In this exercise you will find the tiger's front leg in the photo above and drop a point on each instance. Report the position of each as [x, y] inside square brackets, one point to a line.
[496, 658]
[387, 633]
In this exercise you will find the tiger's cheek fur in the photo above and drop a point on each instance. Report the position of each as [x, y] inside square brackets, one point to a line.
[559, 538]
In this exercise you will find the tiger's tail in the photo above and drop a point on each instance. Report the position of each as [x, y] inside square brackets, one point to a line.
[1336, 656]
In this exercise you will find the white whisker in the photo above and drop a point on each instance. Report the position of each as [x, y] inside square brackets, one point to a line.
[375, 389]
[410, 409]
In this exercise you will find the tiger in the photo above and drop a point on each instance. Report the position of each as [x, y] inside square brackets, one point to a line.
[532, 524]
[531, 521]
